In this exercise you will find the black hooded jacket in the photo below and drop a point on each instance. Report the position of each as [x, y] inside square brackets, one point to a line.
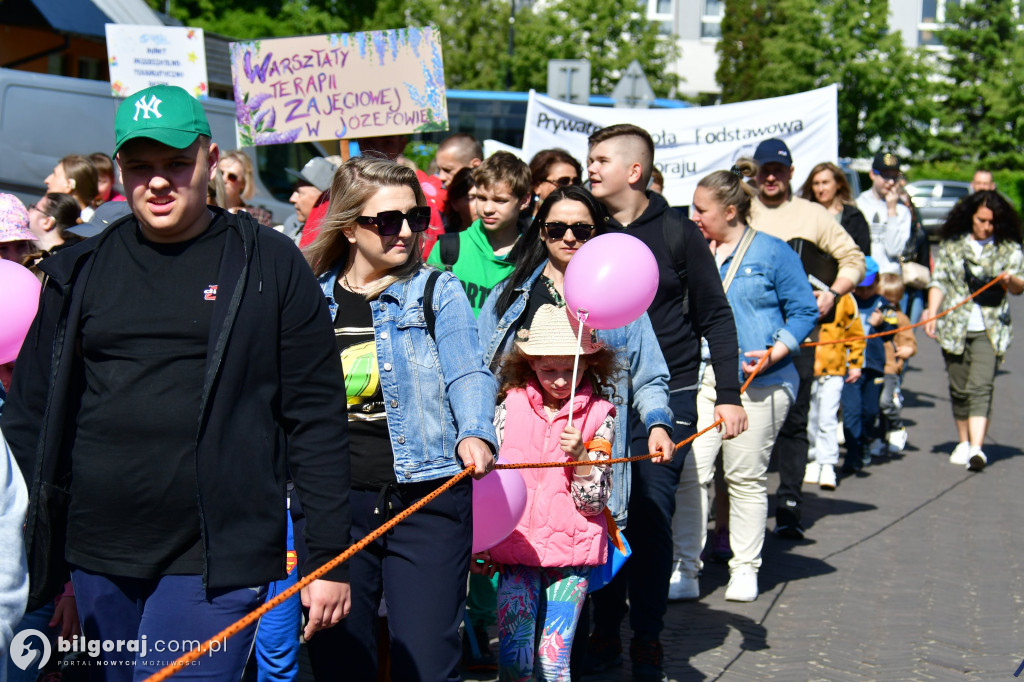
[710, 315]
[272, 405]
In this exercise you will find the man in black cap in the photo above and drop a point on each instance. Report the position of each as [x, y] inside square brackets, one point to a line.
[780, 214]
[888, 219]
[313, 180]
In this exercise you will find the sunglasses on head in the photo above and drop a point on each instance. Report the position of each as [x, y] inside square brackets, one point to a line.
[563, 181]
[389, 223]
[582, 231]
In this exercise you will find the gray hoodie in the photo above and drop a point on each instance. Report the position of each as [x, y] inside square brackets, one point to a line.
[13, 568]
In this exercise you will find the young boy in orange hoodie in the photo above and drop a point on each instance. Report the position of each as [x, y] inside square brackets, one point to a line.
[833, 364]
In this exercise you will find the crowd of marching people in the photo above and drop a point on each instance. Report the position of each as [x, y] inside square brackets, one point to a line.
[207, 406]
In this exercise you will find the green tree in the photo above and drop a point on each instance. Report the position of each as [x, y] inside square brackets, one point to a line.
[610, 33]
[771, 48]
[981, 96]
[247, 19]
[884, 96]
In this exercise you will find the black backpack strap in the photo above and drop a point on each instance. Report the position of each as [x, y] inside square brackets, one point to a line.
[448, 243]
[428, 302]
[674, 234]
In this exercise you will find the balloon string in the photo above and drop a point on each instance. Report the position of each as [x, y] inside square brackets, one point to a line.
[581, 316]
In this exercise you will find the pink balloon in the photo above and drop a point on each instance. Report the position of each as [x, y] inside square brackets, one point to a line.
[614, 278]
[18, 303]
[499, 500]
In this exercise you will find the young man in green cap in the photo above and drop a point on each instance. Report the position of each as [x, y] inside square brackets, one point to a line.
[176, 358]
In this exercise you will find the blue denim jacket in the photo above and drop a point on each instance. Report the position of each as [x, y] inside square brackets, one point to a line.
[771, 301]
[645, 385]
[436, 391]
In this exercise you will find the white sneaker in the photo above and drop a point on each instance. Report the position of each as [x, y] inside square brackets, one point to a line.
[897, 439]
[811, 473]
[977, 459]
[682, 585]
[961, 454]
[742, 584]
[827, 478]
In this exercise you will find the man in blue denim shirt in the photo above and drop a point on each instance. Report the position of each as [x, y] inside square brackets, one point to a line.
[620, 164]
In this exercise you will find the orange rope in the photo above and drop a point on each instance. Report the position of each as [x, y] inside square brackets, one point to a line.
[255, 615]
[812, 344]
[250, 618]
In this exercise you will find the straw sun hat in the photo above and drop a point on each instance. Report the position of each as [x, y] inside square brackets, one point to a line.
[553, 331]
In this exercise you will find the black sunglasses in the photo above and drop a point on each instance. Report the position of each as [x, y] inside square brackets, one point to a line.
[389, 223]
[563, 181]
[231, 177]
[582, 231]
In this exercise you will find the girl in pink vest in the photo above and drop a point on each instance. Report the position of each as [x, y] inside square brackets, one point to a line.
[546, 561]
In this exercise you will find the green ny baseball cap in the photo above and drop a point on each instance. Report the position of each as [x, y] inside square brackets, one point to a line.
[165, 113]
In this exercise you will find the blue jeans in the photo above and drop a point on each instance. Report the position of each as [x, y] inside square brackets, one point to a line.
[652, 503]
[913, 304]
[277, 636]
[172, 613]
[860, 402]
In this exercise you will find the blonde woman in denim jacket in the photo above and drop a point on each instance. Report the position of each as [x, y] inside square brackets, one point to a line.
[421, 407]
[981, 240]
[774, 310]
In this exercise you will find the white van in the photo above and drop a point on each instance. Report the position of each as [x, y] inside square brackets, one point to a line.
[44, 118]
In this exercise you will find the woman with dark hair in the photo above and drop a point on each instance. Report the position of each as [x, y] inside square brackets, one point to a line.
[567, 219]
[460, 209]
[553, 168]
[981, 240]
[49, 217]
[827, 185]
[77, 176]
[421, 407]
[774, 310]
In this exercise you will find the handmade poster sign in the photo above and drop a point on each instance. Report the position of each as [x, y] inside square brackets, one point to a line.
[338, 86]
[141, 56]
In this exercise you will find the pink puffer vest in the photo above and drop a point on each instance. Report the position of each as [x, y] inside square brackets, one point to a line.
[552, 531]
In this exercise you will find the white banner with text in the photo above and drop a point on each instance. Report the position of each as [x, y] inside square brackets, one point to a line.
[692, 142]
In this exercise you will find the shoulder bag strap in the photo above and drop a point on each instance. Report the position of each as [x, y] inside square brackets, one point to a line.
[737, 257]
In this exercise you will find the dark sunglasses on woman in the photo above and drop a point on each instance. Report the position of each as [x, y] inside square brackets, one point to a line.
[389, 223]
[564, 181]
[582, 231]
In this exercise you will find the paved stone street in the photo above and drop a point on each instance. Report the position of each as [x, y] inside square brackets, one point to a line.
[912, 571]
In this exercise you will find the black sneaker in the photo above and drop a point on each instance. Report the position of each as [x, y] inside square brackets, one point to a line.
[790, 532]
[648, 659]
[603, 653]
[482, 659]
[787, 521]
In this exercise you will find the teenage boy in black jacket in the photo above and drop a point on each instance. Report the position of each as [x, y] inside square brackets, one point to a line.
[174, 361]
[620, 164]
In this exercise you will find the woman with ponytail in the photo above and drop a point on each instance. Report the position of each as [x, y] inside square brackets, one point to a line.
[774, 310]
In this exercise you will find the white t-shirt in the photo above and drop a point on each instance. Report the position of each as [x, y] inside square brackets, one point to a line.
[977, 321]
[889, 234]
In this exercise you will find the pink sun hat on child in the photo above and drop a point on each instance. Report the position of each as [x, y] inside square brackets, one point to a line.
[13, 220]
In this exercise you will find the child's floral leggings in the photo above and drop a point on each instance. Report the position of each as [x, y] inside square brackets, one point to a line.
[528, 595]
